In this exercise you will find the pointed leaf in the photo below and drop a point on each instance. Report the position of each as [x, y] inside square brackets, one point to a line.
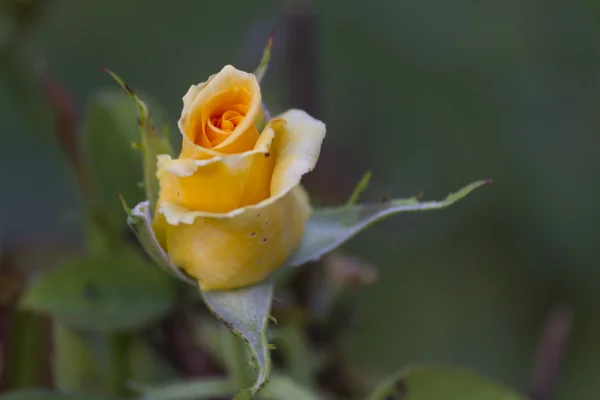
[362, 185]
[35, 394]
[440, 382]
[329, 228]
[140, 221]
[264, 61]
[153, 143]
[245, 312]
[111, 292]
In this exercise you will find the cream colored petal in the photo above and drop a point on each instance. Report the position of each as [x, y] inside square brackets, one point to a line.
[191, 94]
[296, 148]
[227, 253]
[229, 77]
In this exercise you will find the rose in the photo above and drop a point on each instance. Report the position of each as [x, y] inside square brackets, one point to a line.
[231, 208]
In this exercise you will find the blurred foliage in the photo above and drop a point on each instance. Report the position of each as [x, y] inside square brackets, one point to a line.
[436, 382]
[424, 94]
[105, 293]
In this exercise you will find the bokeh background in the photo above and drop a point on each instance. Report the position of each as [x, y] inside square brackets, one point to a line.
[429, 95]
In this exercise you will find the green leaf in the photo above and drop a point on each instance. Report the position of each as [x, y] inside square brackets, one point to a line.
[440, 382]
[193, 390]
[245, 312]
[329, 228]
[140, 221]
[48, 395]
[109, 129]
[362, 185]
[111, 292]
[153, 143]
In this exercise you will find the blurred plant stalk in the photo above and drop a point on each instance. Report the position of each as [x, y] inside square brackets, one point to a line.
[53, 118]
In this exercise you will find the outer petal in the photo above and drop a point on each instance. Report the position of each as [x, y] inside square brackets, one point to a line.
[243, 137]
[219, 184]
[227, 253]
[296, 147]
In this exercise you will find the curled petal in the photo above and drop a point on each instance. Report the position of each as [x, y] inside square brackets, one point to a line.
[219, 184]
[296, 147]
[222, 88]
[227, 253]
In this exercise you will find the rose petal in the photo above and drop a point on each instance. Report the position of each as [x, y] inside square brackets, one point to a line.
[219, 184]
[227, 253]
[296, 147]
[191, 124]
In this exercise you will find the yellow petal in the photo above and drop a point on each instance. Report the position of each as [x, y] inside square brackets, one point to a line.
[219, 184]
[229, 86]
[227, 253]
[226, 247]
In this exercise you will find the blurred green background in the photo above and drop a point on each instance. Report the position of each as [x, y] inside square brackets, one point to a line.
[429, 95]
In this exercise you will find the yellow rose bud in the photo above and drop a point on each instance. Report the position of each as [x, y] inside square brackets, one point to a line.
[231, 208]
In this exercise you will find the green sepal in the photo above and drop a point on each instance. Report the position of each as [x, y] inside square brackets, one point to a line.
[261, 70]
[329, 228]
[140, 222]
[245, 312]
[153, 143]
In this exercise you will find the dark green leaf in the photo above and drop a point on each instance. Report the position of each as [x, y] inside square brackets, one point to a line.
[441, 382]
[105, 292]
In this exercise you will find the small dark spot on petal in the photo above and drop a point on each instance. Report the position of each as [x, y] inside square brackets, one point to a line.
[258, 215]
[252, 234]
[266, 223]
[264, 240]
[267, 155]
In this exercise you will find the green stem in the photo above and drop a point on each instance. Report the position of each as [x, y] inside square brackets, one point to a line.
[119, 363]
[26, 351]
